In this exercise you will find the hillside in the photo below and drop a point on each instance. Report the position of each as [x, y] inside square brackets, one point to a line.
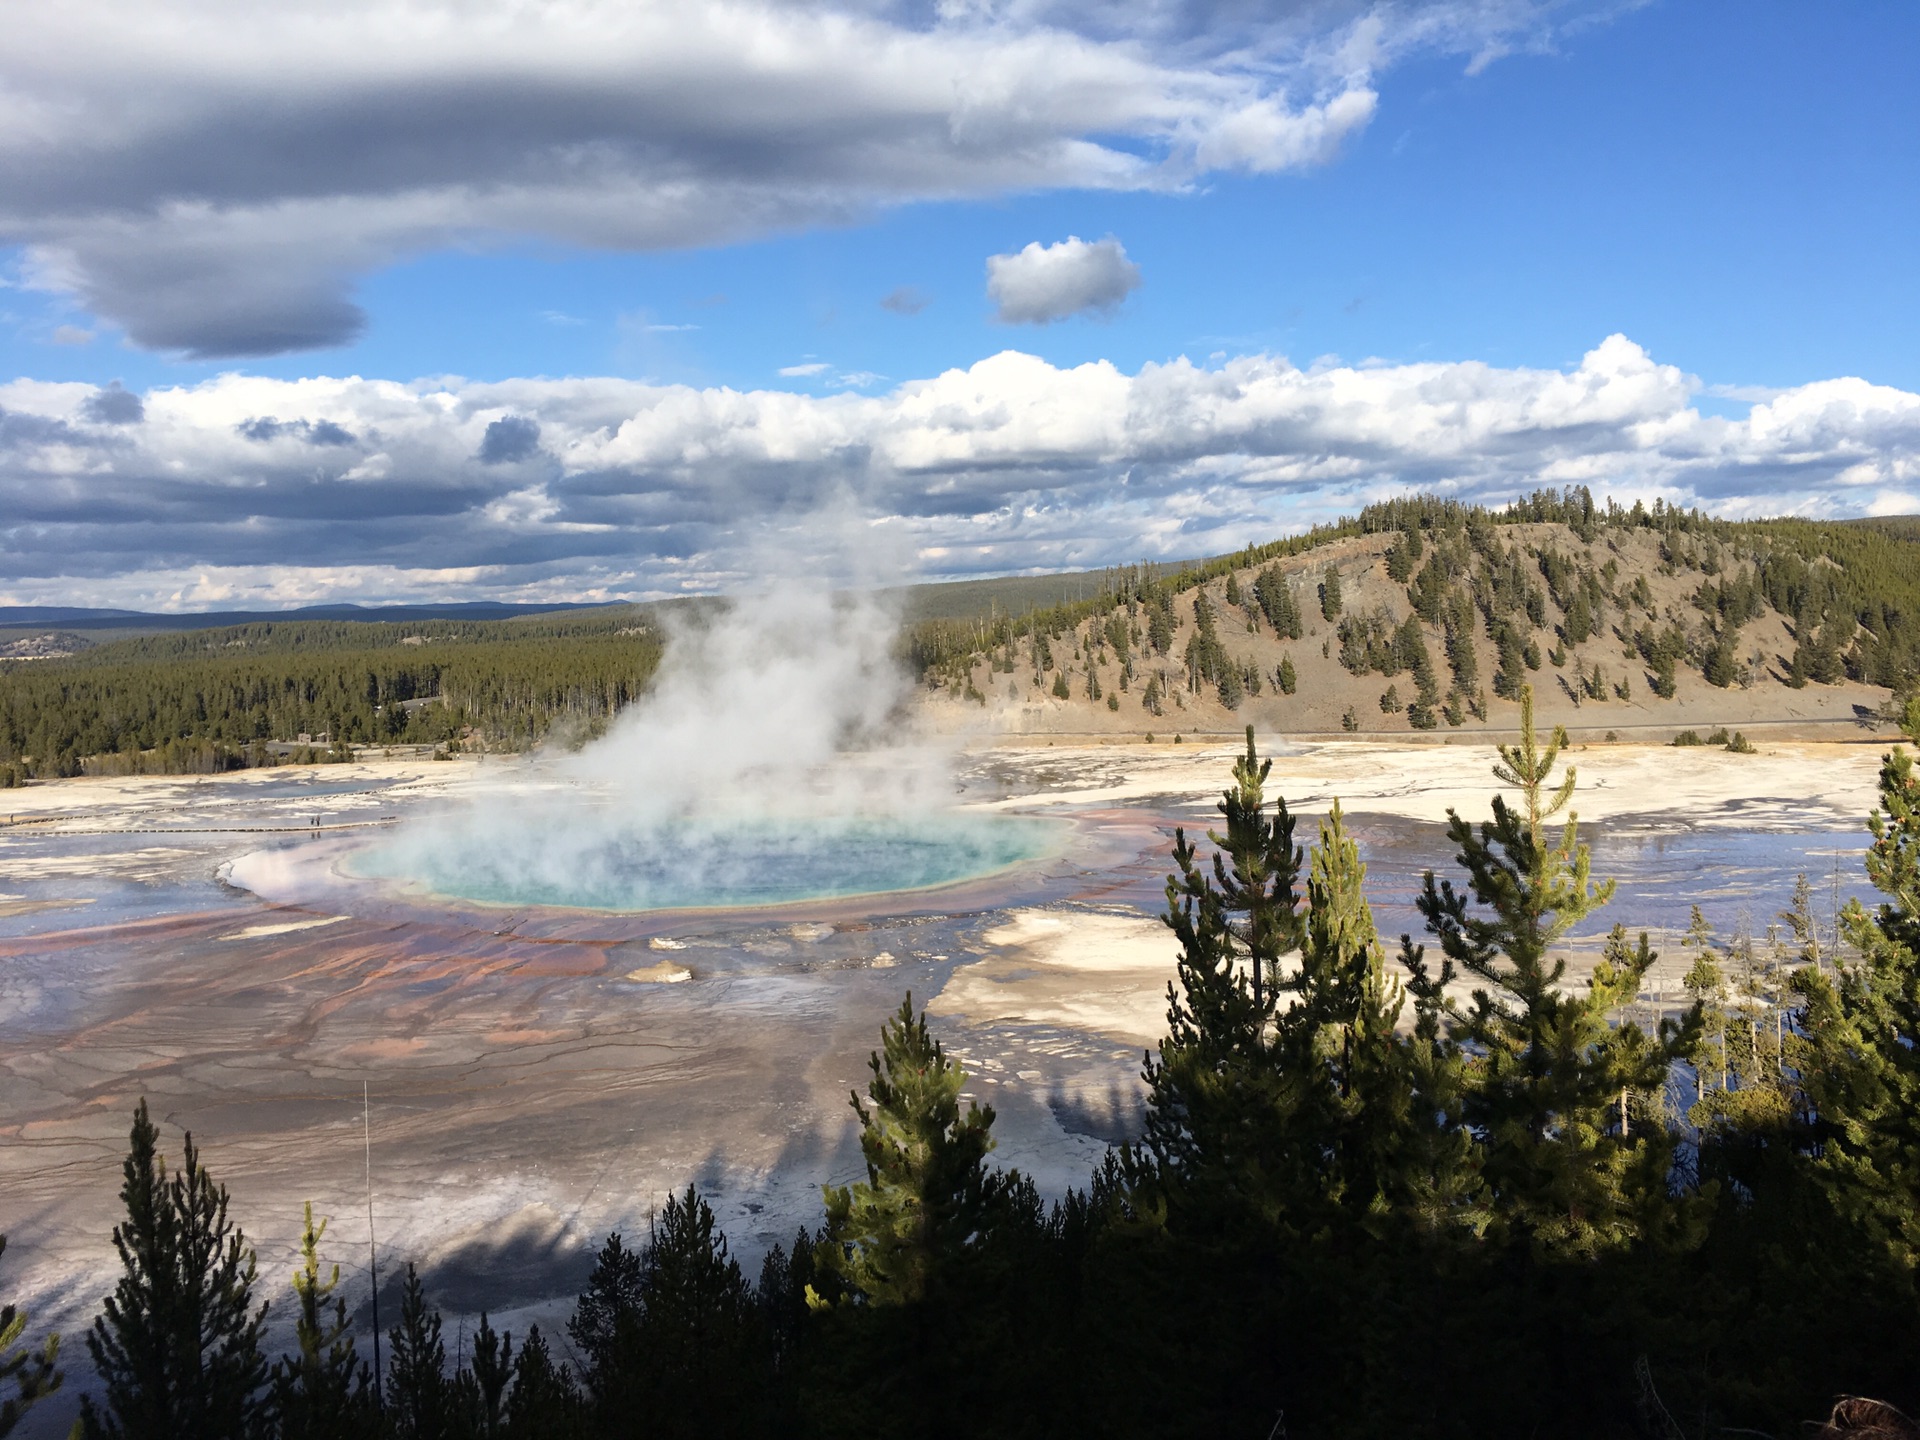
[1635, 621]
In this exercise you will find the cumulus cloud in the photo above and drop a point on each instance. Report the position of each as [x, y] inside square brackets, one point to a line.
[213, 176]
[1043, 283]
[1009, 464]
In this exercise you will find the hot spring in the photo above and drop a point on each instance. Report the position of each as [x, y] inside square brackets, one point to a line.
[703, 863]
[771, 762]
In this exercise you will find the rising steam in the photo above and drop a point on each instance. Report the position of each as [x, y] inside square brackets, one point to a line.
[771, 760]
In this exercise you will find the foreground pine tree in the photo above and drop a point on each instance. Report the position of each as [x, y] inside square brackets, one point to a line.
[1215, 1102]
[417, 1392]
[323, 1391]
[1549, 1071]
[544, 1403]
[1860, 1056]
[177, 1346]
[1340, 1041]
[928, 1195]
[673, 1338]
[492, 1373]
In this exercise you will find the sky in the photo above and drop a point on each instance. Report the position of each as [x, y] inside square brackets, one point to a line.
[402, 300]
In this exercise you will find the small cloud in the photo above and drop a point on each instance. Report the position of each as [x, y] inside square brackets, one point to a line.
[905, 300]
[510, 438]
[72, 335]
[1354, 306]
[858, 379]
[811, 368]
[114, 405]
[560, 317]
[667, 329]
[1044, 283]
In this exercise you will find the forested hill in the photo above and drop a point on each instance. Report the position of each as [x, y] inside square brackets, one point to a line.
[254, 694]
[1425, 614]
[1415, 614]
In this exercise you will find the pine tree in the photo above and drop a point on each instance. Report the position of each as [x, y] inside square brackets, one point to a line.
[544, 1403]
[1859, 1058]
[33, 1374]
[1276, 603]
[1216, 1102]
[177, 1345]
[699, 1355]
[607, 1315]
[324, 1392]
[1799, 919]
[492, 1372]
[1340, 1036]
[928, 1195]
[1285, 677]
[1232, 689]
[1722, 663]
[1256, 867]
[1706, 983]
[1330, 601]
[1546, 1091]
[417, 1391]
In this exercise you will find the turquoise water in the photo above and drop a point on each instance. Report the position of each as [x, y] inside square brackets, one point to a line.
[586, 864]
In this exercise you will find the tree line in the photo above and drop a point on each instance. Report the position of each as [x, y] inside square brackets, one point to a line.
[1473, 1197]
[216, 700]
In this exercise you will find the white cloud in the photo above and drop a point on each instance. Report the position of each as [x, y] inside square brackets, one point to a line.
[214, 175]
[812, 367]
[623, 487]
[1043, 283]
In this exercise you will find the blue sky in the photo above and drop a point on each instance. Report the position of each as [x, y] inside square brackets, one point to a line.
[1735, 187]
[1731, 188]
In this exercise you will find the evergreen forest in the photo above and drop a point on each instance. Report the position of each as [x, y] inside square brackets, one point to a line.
[1467, 1194]
[203, 701]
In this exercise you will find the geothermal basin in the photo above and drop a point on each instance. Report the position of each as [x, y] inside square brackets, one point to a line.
[545, 1062]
